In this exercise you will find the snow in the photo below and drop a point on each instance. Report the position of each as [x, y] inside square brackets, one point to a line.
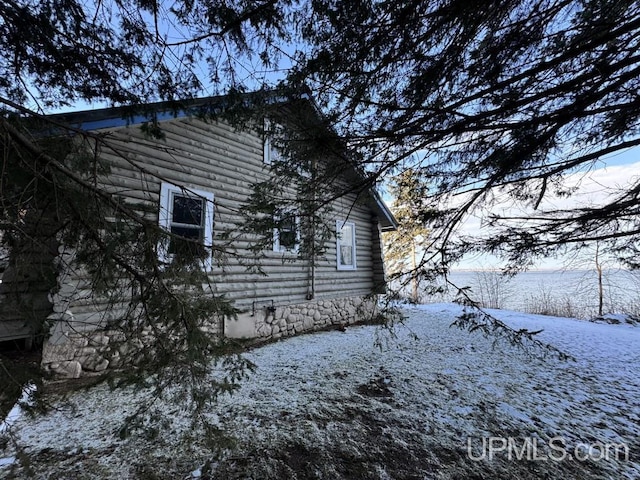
[16, 411]
[381, 400]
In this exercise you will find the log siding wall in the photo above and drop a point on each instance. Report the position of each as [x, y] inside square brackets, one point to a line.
[214, 157]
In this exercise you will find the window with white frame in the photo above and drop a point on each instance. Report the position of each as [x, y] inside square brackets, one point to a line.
[286, 234]
[346, 245]
[270, 151]
[187, 214]
[274, 136]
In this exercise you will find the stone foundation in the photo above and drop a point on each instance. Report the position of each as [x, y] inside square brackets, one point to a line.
[71, 353]
[91, 352]
[274, 322]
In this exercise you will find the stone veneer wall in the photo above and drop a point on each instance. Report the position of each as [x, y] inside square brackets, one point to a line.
[72, 354]
[315, 315]
[85, 352]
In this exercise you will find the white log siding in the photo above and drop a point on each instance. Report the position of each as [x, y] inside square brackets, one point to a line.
[214, 157]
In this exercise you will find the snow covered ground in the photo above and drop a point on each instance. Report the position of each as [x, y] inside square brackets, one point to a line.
[429, 402]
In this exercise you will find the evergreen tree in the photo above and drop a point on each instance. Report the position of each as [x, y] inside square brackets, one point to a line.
[404, 248]
[500, 100]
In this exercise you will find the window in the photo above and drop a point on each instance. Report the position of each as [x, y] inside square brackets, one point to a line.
[286, 234]
[270, 152]
[346, 245]
[274, 150]
[186, 213]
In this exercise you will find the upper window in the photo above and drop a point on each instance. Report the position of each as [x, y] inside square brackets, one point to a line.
[286, 234]
[346, 245]
[270, 152]
[274, 141]
[188, 214]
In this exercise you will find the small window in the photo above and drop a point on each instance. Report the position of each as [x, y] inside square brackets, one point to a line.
[270, 152]
[188, 214]
[286, 234]
[346, 245]
[274, 138]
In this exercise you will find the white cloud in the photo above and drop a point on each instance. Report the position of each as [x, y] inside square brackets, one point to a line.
[597, 186]
[593, 188]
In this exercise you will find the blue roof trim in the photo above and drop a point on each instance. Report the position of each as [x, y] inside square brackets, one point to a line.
[119, 117]
[161, 111]
[89, 120]
[123, 122]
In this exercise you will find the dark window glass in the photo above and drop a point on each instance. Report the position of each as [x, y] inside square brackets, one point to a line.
[187, 210]
[187, 232]
[186, 247]
[287, 233]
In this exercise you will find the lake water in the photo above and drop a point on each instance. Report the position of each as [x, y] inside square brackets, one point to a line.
[564, 293]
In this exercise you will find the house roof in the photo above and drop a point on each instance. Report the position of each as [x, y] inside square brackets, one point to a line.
[114, 117]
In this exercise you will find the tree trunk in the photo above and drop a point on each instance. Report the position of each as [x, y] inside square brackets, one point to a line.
[600, 287]
[414, 274]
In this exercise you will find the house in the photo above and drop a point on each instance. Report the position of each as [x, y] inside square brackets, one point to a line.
[193, 180]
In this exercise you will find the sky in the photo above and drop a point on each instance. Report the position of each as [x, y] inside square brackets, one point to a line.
[612, 173]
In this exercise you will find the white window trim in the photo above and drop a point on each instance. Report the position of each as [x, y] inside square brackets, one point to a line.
[269, 152]
[266, 150]
[340, 241]
[276, 236]
[164, 218]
